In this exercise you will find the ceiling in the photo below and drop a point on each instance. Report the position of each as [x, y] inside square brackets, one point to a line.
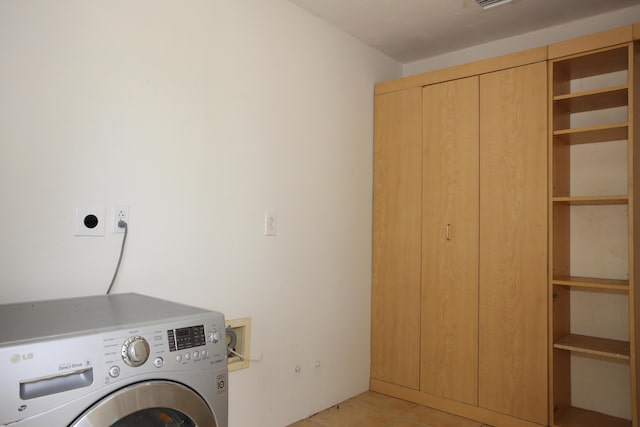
[408, 30]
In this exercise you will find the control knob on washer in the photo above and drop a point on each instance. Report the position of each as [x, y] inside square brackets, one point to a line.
[135, 351]
[214, 336]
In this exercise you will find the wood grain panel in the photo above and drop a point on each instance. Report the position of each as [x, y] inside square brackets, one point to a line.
[397, 205]
[561, 364]
[591, 42]
[615, 349]
[634, 222]
[513, 242]
[470, 69]
[450, 240]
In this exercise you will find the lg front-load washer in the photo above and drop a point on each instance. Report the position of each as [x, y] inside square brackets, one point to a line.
[118, 360]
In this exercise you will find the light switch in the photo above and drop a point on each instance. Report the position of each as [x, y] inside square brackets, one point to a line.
[270, 223]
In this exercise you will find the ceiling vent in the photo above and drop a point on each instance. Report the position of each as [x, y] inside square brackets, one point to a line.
[487, 4]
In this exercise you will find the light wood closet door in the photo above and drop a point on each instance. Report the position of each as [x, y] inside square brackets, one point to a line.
[450, 240]
[397, 206]
[513, 242]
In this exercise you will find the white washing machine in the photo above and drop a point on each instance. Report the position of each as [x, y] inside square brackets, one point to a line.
[116, 360]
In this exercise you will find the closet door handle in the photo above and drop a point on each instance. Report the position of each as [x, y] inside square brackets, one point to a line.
[446, 232]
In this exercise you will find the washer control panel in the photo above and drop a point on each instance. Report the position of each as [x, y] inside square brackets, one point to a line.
[176, 346]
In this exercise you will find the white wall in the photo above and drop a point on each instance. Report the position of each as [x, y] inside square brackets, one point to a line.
[530, 40]
[199, 115]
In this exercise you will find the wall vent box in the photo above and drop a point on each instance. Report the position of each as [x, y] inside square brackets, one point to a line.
[242, 329]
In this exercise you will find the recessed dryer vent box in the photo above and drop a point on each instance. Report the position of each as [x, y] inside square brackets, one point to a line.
[240, 344]
[89, 222]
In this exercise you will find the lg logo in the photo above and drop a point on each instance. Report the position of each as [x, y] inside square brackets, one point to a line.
[16, 358]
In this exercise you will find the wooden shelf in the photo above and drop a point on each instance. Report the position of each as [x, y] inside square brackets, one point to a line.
[593, 100]
[604, 62]
[591, 200]
[593, 134]
[594, 346]
[577, 417]
[592, 282]
[596, 77]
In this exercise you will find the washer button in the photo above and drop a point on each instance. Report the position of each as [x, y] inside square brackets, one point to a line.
[178, 358]
[187, 356]
[114, 371]
[158, 362]
[204, 353]
[196, 354]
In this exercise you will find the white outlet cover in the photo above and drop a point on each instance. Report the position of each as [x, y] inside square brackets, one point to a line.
[85, 219]
[115, 217]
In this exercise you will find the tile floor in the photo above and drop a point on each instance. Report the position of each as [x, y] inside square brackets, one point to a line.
[372, 409]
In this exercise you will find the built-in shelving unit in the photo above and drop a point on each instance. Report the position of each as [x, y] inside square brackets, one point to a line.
[591, 102]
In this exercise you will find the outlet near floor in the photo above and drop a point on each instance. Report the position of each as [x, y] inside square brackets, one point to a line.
[238, 339]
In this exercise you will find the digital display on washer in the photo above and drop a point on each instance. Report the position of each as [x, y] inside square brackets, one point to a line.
[183, 338]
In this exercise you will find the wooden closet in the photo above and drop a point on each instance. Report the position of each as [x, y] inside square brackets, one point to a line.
[505, 236]
[475, 300]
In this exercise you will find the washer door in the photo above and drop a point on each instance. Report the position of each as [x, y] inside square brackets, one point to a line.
[154, 403]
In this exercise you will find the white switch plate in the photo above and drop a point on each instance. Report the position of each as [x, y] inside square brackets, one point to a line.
[89, 222]
[270, 223]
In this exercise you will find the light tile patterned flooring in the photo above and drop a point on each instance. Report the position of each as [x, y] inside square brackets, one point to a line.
[372, 409]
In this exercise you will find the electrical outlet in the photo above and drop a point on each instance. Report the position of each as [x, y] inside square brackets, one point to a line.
[120, 213]
[89, 222]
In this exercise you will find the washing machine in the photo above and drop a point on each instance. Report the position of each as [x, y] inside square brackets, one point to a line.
[118, 360]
